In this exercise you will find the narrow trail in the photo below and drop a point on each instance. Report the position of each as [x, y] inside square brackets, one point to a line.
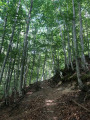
[50, 102]
[47, 104]
[52, 94]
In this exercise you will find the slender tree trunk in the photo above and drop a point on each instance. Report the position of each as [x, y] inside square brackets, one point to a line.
[54, 61]
[4, 30]
[34, 55]
[75, 48]
[26, 69]
[3, 34]
[18, 60]
[88, 46]
[15, 86]
[72, 48]
[64, 47]
[69, 51]
[8, 80]
[18, 71]
[53, 58]
[57, 61]
[9, 47]
[44, 65]
[25, 75]
[81, 38]
[38, 67]
[6, 74]
[7, 83]
[10, 77]
[32, 67]
[25, 48]
[69, 48]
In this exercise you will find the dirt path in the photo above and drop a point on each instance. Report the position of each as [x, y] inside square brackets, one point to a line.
[52, 94]
[50, 102]
[47, 104]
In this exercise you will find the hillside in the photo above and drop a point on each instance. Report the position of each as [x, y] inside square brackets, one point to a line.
[49, 103]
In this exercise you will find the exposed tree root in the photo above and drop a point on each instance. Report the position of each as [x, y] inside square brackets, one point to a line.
[80, 105]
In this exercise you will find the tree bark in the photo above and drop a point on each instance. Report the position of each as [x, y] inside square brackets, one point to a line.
[38, 68]
[32, 67]
[75, 48]
[25, 48]
[69, 50]
[81, 38]
[88, 46]
[44, 65]
[7, 82]
[64, 47]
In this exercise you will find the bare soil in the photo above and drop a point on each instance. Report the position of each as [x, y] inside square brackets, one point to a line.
[57, 103]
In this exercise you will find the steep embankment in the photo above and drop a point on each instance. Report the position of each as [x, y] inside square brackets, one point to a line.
[58, 103]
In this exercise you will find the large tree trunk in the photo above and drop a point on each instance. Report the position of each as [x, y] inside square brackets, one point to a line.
[75, 48]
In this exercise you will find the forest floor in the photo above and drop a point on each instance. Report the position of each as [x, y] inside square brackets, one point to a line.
[49, 103]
